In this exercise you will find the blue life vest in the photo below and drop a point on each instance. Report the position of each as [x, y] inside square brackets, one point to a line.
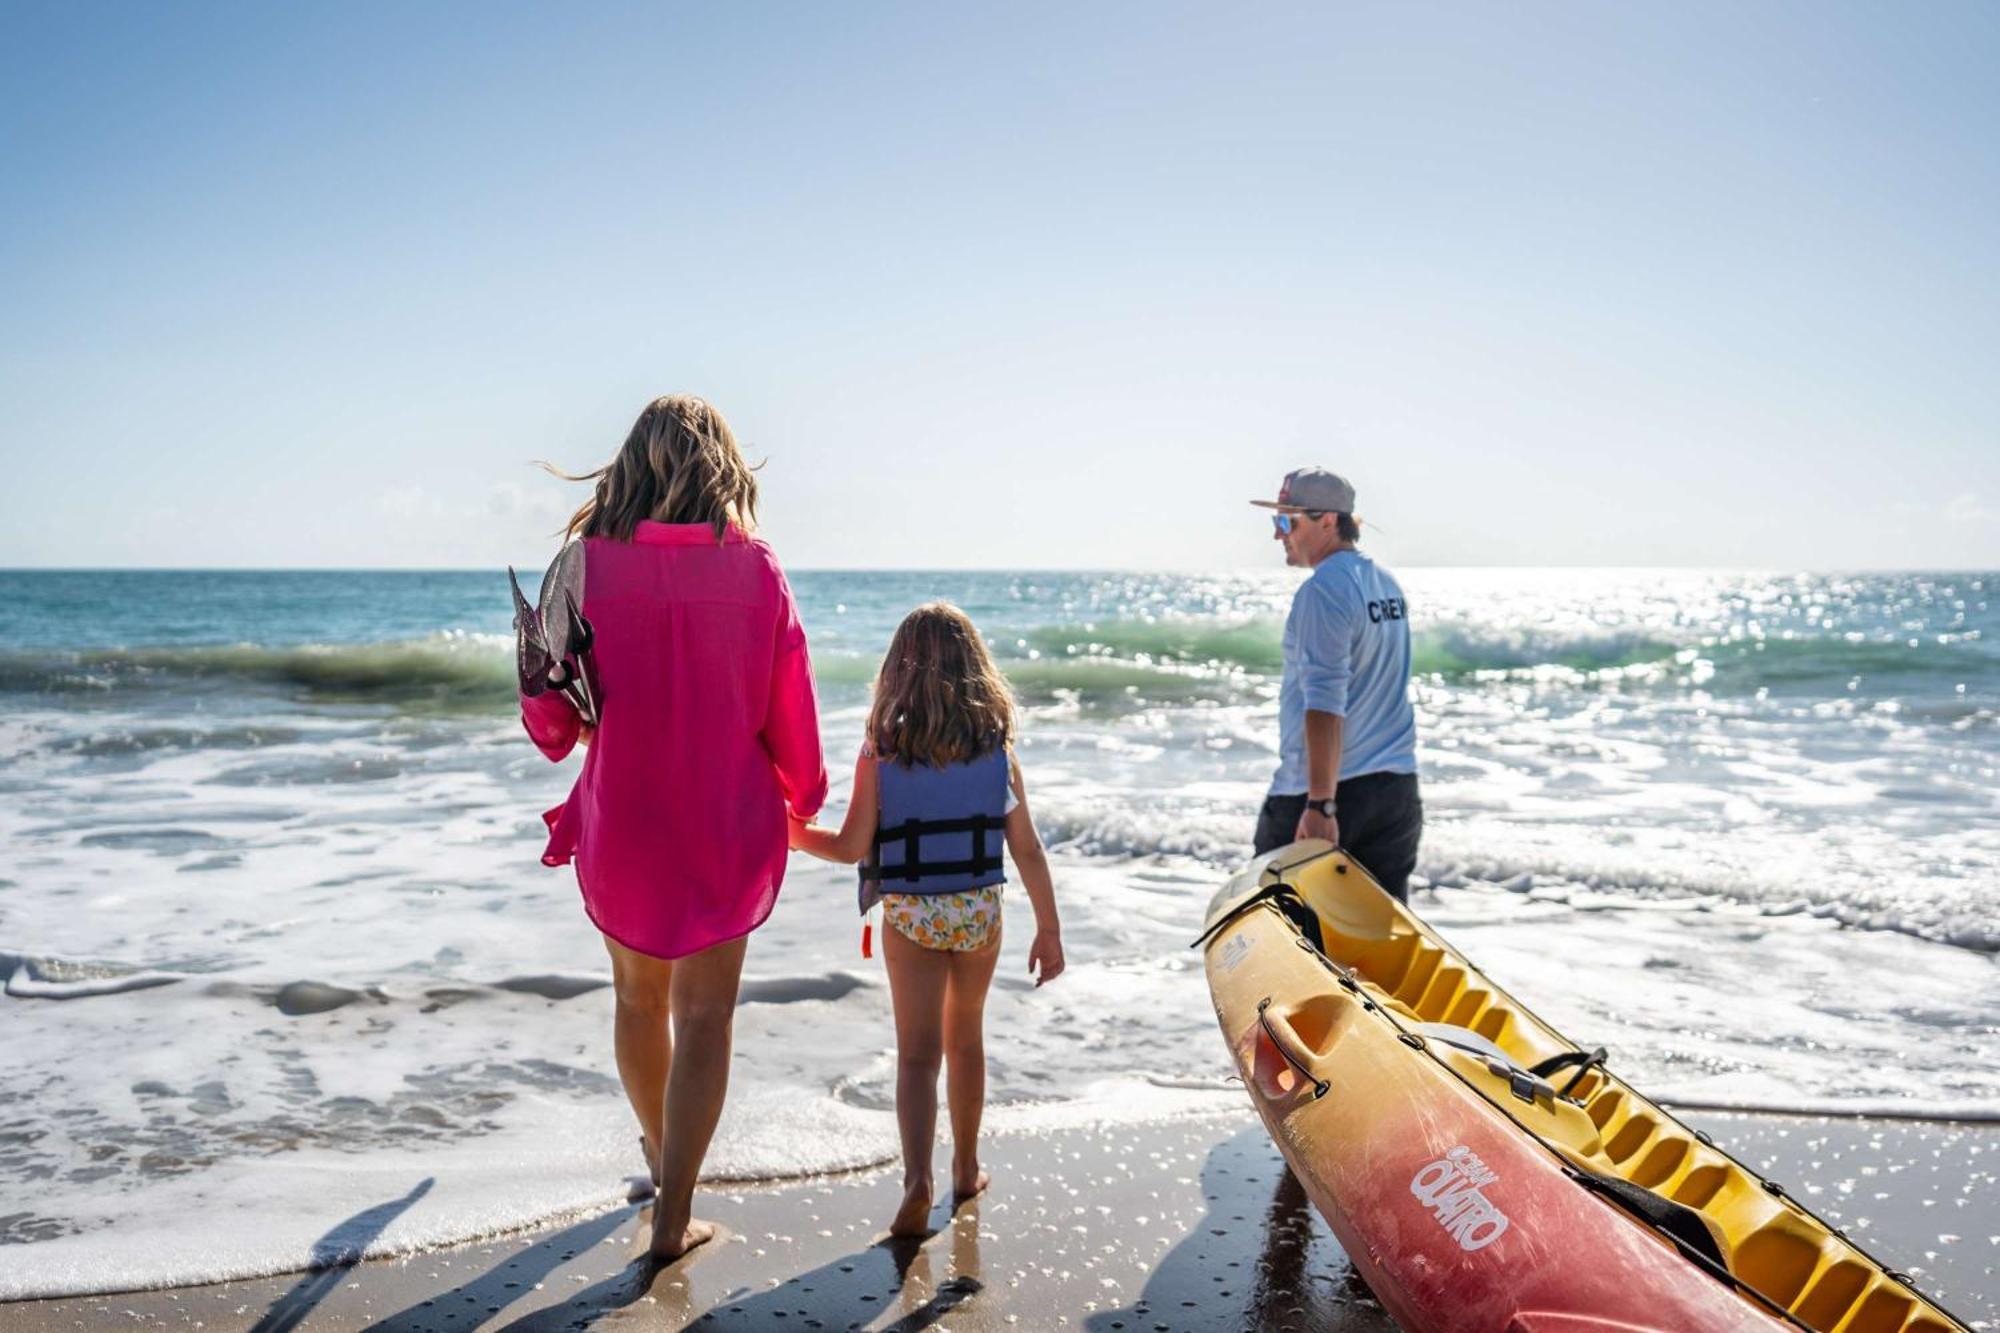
[938, 830]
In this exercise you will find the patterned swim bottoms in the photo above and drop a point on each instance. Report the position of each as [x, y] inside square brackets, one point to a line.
[956, 922]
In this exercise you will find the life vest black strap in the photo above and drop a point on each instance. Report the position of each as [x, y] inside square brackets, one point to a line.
[911, 833]
[976, 824]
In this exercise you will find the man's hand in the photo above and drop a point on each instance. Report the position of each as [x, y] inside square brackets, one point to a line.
[794, 828]
[1313, 824]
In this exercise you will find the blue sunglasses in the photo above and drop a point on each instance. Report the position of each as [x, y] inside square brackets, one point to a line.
[1284, 523]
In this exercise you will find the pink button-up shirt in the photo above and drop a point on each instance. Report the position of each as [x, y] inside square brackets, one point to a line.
[708, 728]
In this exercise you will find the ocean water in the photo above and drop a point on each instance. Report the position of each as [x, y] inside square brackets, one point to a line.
[278, 949]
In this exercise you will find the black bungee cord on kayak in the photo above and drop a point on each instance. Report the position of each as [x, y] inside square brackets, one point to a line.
[1584, 1061]
[1286, 898]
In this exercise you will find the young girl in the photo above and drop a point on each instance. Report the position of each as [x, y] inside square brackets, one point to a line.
[935, 792]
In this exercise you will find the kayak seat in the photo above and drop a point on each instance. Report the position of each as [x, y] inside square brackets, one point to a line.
[1523, 1083]
[1550, 1115]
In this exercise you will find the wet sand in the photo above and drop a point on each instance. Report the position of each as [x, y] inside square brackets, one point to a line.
[1191, 1225]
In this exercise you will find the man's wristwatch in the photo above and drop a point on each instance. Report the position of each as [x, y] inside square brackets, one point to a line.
[1323, 806]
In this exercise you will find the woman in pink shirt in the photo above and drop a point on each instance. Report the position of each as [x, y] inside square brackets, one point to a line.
[707, 732]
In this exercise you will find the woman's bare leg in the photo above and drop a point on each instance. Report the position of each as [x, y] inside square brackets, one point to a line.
[971, 975]
[917, 980]
[643, 1039]
[703, 1004]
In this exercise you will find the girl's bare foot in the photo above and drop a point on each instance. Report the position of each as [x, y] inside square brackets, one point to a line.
[666, 1248]
[913, 1218]
[965, 1184]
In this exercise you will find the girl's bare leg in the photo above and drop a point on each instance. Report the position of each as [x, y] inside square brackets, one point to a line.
[702, 1001]
[643, 1040]
[917, 982]
[965, 1060]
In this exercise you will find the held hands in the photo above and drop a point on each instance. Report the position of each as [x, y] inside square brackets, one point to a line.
[1045, 956]
[795, 828]
[1313, 824]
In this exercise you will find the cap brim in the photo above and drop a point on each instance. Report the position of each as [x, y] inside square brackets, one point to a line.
[1278, 504]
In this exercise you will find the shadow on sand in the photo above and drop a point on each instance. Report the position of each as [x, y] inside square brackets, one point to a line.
[332, 1255]
[891, 1280]
[476, 1302]
[1258, 1258]
[1255, 1261]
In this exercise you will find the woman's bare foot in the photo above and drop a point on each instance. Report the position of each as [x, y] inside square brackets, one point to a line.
[666, 1248]
[640, 1188]
[965, 1184]
[913, 1218]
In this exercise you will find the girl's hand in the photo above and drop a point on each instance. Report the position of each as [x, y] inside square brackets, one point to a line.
[1045, 956]
[795, 829]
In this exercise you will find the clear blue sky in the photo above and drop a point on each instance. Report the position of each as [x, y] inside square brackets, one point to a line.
[1705, 284]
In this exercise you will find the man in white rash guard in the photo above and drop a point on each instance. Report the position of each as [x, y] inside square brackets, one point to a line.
[1347, 736]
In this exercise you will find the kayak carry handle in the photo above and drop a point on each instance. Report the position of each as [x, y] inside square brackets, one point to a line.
[1288, 1046]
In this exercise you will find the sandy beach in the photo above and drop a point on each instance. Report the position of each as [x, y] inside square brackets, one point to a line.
[1185, 1225]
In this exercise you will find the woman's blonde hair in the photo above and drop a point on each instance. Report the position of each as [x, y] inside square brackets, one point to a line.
[938, 698]
[680, 464]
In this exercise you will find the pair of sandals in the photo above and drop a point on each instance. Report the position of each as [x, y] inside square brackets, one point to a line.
[553, 639]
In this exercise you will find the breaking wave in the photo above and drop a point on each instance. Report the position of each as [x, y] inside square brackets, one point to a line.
[452, 667]
[1158, 661]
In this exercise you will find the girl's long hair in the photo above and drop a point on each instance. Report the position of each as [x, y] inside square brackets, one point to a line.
[938, 698]
[680, 464]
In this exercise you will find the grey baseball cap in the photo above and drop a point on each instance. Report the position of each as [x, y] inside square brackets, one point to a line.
[1312, 488]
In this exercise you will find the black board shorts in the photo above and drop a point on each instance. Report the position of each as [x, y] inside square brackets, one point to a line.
[1381, 819]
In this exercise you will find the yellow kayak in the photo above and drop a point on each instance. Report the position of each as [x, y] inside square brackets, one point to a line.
[1482, 1172]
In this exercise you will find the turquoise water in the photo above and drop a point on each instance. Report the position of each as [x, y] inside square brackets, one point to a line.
[1713, 702]
[1928, 641]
